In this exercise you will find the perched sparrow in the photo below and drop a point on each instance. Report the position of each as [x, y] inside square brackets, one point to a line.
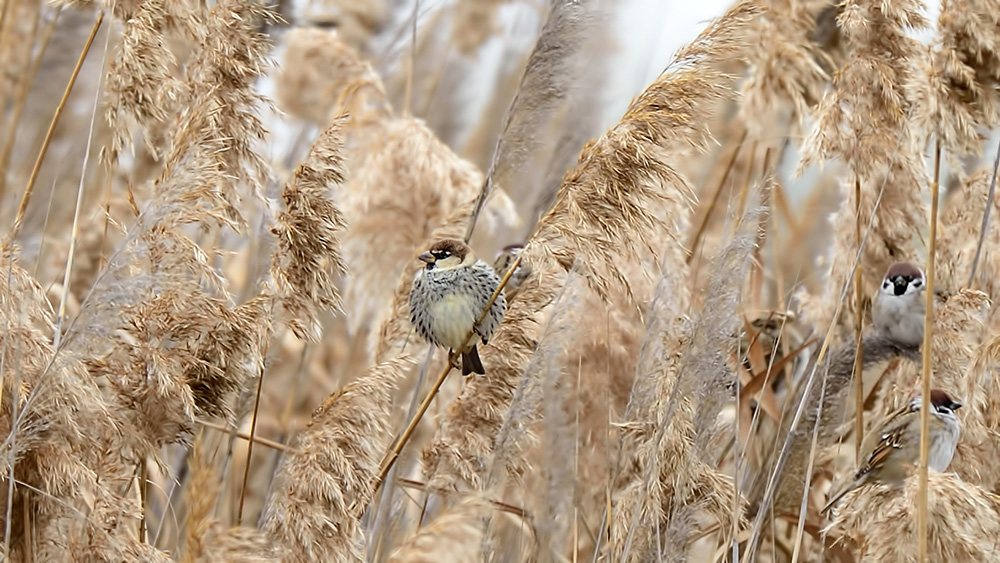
[893, 446]
[503, 262]
[448, 296]
[899, 307]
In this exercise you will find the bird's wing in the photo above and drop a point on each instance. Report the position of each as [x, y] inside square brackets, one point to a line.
[889, 439]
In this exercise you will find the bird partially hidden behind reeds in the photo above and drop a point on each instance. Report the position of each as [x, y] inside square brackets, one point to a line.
[448, 296]
[503, 261]
[892, 449]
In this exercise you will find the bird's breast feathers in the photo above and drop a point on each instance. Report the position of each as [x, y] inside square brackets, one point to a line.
[453, 316]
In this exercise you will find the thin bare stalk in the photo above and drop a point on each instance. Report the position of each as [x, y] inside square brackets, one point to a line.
[75, 231]
[411, 61]
[803, 508]
[986, 217]
[27, 81]
[253, 431]
[397, 446]
[52, 127]
[859, 387]
[262, 441]
[703, 224]
[925, 375]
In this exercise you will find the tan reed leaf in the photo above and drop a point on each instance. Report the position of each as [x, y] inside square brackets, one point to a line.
[963, 521]
[307, 260]
[327, 476]
[605, 207]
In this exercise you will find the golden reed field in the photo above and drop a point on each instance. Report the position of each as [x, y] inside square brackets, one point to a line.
[210, 217]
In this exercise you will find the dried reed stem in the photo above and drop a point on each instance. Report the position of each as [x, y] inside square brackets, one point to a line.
[859, 387]
[228, 430]
[52, 127]
[397, 445]
[986, 218]
[925, 376]
[253, 431]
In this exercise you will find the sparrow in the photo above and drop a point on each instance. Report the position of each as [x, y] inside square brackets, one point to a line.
[448, 296]
[893, 446]
[899, 307]
[502, 263]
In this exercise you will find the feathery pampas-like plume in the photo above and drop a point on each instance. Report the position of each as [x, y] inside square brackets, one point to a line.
[784, 67]
[958, 96]
[307, 260]
[963, 521]
[604, 210]
[674, 474]
[327, 477]
[553, 67]
[453, 537]
[205, 538]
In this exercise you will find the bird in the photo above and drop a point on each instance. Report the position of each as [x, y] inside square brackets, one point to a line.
[502, 263]
[893, 446]
[898, 311]
[449, 294]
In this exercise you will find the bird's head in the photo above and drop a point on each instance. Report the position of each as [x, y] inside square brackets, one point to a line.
[942, 402]
[901, 279]
[447, 254]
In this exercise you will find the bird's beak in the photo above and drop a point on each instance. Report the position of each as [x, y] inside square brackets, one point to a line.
[426, 257]
[955, 405]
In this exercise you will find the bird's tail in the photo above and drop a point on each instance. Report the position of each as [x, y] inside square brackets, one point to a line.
[471, 363]
[844, 489]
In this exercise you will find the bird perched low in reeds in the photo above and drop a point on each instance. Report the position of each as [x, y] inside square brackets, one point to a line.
[892, 448]
[449, 294]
